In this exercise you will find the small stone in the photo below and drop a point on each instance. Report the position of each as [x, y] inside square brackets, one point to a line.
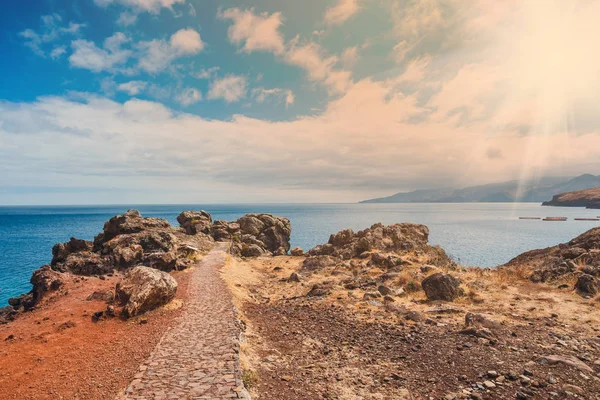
[489, 384]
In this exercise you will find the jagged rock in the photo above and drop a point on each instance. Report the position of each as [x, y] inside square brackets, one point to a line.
[85, 263]
[252, 250]
[587, 285]
[297, 251]
[126, 257]
[371, 295]
[44, 280]
[61, 251]
[566, 360]
[480, 320]
[7, 314]
[164, 261]
[384, 290]
[382, 245]
[441, 287]
[144, 289]
[188, 252]
[294, 277]
[194, 222]
[269, 232]
[318, 290]
[128, 223]
[556, 262]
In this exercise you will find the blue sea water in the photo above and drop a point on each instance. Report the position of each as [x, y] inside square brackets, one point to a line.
[476, 234]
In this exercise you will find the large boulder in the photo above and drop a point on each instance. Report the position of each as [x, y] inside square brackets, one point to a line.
[61, 251]
[144, 289]
[164, 261]
[194, 222]
[441, 286]
[587, 285]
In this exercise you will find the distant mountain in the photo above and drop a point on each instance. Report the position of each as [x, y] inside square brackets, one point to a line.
[531, 191]
[589, 198]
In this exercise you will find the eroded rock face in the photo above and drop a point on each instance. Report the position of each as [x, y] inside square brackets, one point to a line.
[144, 289]
[441, 287]
[561, 261]
[194, 222]
[44, 280]
[61, 251]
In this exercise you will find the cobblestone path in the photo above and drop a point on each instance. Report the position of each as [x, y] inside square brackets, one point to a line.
[198, 357]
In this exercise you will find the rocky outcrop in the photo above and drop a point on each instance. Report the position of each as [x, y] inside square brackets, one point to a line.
[194, 222]
[144, 289]
[44, 280]
[379, 245]
[265, 231]
[397, 238]
[129, 223]
[441, 286]
[588, 198]
[61, 251]
[571, 259]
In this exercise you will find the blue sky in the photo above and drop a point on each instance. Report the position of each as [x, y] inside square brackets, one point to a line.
[189, 101]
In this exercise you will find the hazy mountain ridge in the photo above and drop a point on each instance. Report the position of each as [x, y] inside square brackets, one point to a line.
[532, 191]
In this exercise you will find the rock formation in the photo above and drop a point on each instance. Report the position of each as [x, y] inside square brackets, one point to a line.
[578, 256]
[144, 289]
[379, 245]
[441, 287]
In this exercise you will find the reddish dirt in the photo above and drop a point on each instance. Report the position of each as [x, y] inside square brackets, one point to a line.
[57, 352]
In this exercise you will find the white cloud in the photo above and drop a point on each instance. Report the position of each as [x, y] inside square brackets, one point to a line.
[256, 32]
[192, 11]
[320, 68]
[206, 73]
[350, 56]
[133, 88]
[87, 55]
[50, 30]
[189, 96]
[103, 142]
[231, 88]
[186, 41]
[341, 11]
[57, 52]
[156, 55]
[127, 18]
[151, 6]
[261, 32]
[279, 95]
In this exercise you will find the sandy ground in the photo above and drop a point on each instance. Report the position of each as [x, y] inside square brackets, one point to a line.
[341, 347]
[57, 352]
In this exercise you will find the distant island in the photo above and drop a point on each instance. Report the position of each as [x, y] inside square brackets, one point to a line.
[512, 191]
[589, 198]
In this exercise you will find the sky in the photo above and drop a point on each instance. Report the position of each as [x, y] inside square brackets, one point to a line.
[196, 101]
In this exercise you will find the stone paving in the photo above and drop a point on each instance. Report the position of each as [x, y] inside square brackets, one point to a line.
[198, 357]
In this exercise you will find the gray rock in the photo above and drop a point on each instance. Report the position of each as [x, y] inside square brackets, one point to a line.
[441, 287]
[144, 289]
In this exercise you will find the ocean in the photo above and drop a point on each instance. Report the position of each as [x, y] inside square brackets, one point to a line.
[474, 234]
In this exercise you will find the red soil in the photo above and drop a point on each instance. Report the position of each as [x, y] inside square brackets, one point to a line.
[57, 352]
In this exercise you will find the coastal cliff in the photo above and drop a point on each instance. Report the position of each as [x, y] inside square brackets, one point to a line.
[589, 198]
